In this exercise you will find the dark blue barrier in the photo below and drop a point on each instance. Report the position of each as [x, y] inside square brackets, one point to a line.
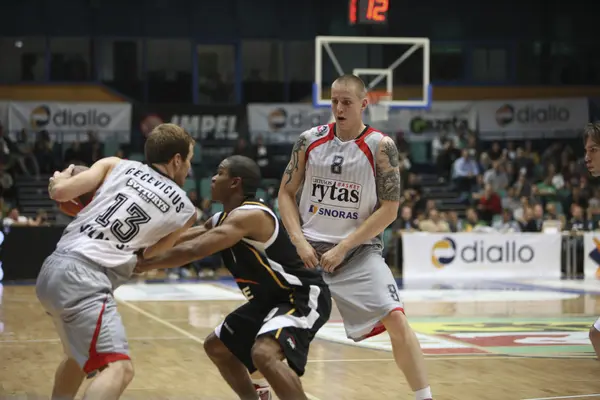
[25, 248]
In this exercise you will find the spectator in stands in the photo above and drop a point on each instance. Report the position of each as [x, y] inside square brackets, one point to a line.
[534, 219]
[43, 149]
[496, 152]
[545, 190]
[74, 154]
[578, 223]
[532, 154]
[445, 158]
[6, 184]
[14, 218]
[472, 221]
[465, 171]
[26, 155]
[510, 200]
[9, 152]
[261, 157]
[489, 205]
[454, 223]
[557, 179]
[523, 187]
[511, 173]
[440, 142]
[485, 162]
[510, 153]
[594, 206]
[496, 177]
[92, 150]
[507, 224]
[434, 223]
[4, 207]
[523, 164]
[576, 196]
[242, 149]
[406, 222]
[551, 212]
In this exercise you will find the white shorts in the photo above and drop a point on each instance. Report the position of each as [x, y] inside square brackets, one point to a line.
[365, 291]
[597, 324]
[78, 296]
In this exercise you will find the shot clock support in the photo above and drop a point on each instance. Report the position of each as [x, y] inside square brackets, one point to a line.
[394, 65]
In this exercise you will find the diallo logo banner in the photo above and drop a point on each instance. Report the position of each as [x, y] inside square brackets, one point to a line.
[533, 115]
[480, 255]
[54, 116]
[446, 251]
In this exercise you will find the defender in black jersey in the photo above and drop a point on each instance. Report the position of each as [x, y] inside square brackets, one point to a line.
[287, 303]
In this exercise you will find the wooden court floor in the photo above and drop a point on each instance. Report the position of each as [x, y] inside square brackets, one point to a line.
[511, 343]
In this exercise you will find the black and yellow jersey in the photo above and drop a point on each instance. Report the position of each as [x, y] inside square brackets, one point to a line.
[270, 271]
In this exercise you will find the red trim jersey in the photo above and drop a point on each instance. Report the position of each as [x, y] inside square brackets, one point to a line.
[339, 191]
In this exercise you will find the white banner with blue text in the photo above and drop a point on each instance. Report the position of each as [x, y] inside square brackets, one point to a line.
[69, 122]
[480, 255]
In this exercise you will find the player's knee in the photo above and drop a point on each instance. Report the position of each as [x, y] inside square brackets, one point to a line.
[215, 349]
[124, 370]
[396, 325]
[265, 351]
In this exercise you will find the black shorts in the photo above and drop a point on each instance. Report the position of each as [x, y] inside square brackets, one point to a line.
[293, 324]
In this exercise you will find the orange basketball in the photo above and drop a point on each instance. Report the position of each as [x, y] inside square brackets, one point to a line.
[72, 207]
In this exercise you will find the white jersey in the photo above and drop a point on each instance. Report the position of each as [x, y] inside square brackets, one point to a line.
[135, 207]
[339, 191]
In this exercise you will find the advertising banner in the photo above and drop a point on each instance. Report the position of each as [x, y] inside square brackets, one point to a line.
[70, 121]
[283, 123]
[559, 116]
[591, 255]
[424, 125]
[217, 128]
[480, 256]
[278, 123]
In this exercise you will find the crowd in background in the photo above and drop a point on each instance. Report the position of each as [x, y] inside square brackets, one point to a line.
[504, 186]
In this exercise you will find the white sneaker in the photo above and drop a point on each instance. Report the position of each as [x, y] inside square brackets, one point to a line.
[263, 392]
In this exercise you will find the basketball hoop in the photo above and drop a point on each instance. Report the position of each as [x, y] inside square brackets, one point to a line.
[379, 107]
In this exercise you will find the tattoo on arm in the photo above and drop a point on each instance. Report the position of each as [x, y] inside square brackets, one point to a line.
[293, 164]
[387, 178]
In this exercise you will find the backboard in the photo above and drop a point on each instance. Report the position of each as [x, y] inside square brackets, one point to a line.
[399, 66]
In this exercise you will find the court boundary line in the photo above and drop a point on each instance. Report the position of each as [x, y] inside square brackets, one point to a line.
[579, 396]
[179, 330]
[534, 287]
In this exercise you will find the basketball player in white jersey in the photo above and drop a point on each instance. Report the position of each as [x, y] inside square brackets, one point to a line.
[591, 134]
[350, 190]
[136, 206]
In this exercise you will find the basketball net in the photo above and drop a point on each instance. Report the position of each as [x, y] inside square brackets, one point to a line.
[379, 109]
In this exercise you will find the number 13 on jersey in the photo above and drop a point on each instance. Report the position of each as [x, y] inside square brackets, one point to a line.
[124, 229]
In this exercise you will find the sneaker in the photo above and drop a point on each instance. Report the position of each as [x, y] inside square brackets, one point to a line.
[263, 392]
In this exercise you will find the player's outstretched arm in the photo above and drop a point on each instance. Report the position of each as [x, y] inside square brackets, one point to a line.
[64, 187]
[290, 184]
[387, 181]
[194, 232]
[238, 225]
[170, 240]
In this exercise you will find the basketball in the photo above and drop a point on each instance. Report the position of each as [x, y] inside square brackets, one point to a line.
[72, 207]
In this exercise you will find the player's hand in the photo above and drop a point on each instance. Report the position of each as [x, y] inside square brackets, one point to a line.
[332, 259]
[67, 173]
[308, 254]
